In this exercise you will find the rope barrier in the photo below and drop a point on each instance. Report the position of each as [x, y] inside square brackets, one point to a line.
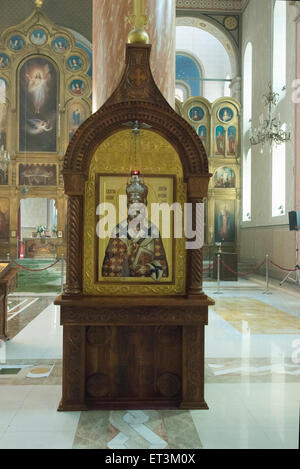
[36, 270]
[243, 274]
[209, 267]
[283, 268]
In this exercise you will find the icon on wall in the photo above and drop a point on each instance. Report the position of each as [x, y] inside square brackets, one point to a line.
[3, 112]
[196, 114]
[224, 221]
[77, 116]
[77, 87]
[225, 114]
[38, 37]
[16, 42]
[37, 175]
[224, 178]
[4, 61]
[74, 63]
[4, 218]
[38, 105]
[202, 132]
[60, 44]
[231, 140]
[220, 140]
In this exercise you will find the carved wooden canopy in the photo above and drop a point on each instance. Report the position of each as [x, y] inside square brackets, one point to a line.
[137, 98]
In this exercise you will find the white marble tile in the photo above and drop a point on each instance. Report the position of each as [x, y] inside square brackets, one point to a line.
[37, 440]
[41, 338]
[231, 437]
[241, 415]
[38, 412]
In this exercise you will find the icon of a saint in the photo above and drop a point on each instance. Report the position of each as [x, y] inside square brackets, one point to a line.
[139, 254]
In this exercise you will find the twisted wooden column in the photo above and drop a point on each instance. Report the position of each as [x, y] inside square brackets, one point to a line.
[74, 251]
[195, 257]
[197, 190]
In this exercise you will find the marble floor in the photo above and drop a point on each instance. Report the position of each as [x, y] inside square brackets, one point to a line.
[252, 382]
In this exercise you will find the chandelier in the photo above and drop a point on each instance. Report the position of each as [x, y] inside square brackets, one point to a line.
[270, 130]
[4, 159]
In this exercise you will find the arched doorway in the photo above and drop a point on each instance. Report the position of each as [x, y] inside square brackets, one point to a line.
[37, 228]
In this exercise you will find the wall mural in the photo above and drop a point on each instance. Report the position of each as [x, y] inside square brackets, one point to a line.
[38, 105]
[37, 175]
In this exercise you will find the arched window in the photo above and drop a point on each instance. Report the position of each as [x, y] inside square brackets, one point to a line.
[247, 155]
[188, 75]
[278, 178]
[182, 91]
[210, 52]
[279, 46]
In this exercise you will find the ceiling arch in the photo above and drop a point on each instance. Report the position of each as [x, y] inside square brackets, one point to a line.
[220, 34]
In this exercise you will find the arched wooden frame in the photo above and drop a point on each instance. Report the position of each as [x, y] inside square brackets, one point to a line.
[119, 110]
[109, 120]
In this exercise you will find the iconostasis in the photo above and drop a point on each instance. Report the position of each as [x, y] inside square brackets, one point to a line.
[45, 95]
[218, 126]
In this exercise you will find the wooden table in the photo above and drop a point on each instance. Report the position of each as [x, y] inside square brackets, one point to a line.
[8, 283]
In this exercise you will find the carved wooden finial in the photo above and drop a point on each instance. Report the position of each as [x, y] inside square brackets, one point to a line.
[138, 20]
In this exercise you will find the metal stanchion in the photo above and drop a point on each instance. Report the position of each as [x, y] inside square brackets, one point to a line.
[267, 291]
[218, 292]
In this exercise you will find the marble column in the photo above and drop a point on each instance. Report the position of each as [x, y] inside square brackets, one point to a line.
[297, 124]
[110, 34]
[236, 88]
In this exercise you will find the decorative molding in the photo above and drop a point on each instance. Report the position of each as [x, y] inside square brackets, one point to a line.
[193, 358]
[136, 98]
[137, 315]
[169, 385]
[213, 5]
[74, 364]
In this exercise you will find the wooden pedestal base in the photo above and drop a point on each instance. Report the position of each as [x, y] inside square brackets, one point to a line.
[133, 353]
